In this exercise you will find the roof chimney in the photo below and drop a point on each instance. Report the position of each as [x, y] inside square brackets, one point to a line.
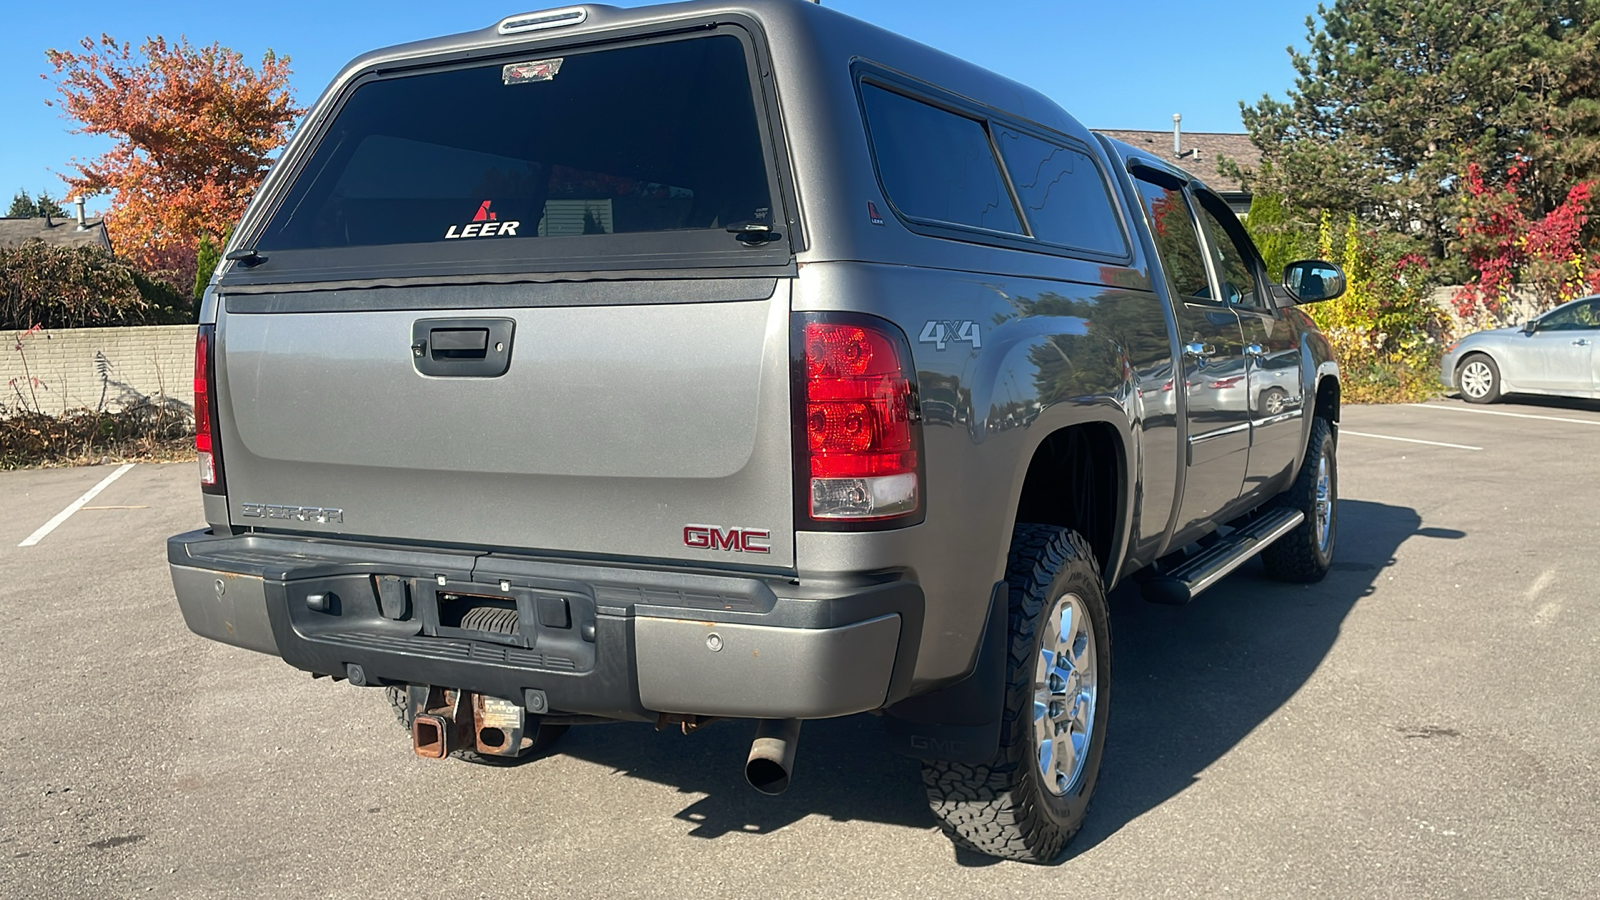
[83, 220]
[1177, 134]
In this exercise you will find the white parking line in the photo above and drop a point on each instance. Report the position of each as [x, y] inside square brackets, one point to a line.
[1387, 437]
[1496, 412]
[76, 505]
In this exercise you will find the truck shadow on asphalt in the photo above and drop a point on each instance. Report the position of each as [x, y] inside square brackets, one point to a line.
[1190, 683]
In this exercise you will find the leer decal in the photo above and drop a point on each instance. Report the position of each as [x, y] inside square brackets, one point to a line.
[484, 224]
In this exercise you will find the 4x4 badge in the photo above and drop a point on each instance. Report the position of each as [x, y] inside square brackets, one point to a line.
[942, 332]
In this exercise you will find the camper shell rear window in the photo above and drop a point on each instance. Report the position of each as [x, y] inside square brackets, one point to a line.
[643, 155]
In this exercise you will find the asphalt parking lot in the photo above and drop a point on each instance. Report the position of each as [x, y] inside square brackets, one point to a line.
[1424, 723]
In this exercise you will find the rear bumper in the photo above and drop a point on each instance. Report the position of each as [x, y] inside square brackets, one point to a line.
[624, 643]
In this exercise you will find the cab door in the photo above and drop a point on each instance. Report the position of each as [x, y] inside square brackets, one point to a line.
[1213, 370]
[1271, 348]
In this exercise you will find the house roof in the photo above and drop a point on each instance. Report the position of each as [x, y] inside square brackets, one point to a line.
[55, 231]
[1211, 146]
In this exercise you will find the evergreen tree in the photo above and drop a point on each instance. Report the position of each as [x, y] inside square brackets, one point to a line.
[1394, 98]
[1279, 237]
[207, 255]
[25, 207]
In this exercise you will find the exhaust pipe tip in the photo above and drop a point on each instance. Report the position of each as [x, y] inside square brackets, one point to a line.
[769, 776]
[770, 766]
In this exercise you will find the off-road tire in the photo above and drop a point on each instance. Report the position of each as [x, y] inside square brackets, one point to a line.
[1001, 808]
[1493, 393]
[1300, 556]
[537, 741]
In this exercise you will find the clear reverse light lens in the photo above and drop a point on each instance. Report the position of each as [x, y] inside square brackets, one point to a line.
[863, 498]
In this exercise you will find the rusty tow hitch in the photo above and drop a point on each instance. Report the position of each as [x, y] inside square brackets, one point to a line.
[444, 721]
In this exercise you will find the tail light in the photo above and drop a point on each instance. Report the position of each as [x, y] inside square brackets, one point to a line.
[859, 460]
[206, 446]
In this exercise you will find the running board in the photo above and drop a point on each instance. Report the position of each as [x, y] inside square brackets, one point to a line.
[1184, 582]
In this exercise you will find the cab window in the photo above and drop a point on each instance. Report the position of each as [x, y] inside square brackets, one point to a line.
[1177, 241]
[1234, 257]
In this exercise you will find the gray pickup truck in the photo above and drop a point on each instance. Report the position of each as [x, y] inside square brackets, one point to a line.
[741, 360]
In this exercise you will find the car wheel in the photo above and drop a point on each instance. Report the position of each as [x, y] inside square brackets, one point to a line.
[1478, 379]
[1271, 401]
[1032, 797]
[1304, 554]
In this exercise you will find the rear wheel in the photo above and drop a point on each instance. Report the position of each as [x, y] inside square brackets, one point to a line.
[1033, 796]
[1478, 379]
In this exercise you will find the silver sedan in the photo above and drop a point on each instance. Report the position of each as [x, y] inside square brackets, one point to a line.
[1553, 354]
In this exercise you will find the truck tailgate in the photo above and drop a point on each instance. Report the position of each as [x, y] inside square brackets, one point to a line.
[614, 429]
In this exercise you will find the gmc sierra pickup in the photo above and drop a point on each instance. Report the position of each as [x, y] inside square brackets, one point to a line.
[739, 359]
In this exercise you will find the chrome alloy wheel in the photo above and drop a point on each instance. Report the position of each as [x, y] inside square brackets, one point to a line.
[1324, 504]
[1065, 686]
[1476, 379]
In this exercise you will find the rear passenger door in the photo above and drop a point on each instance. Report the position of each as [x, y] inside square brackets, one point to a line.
[1214, 372]
[1271, 347]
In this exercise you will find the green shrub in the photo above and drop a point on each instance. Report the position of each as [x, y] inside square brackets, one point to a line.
[82, 287]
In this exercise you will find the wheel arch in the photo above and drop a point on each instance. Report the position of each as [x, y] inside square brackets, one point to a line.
[1078, 476]
[1461, 362]
[1327, 398]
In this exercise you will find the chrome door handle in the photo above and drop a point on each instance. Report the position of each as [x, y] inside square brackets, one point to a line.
[1581, 342]
[1254, 350]
[1199, 350]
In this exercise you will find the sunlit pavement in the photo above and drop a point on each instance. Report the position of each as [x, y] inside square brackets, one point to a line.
[1424, 723]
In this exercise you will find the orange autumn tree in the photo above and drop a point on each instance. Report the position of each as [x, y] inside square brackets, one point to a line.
[194, 130]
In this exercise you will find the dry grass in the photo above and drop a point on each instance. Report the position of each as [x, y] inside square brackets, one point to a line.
[148, 432]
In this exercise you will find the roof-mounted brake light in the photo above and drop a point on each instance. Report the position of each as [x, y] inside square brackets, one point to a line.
[538, 21]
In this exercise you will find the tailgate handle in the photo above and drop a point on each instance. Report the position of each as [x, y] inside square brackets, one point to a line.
[462, 348]
[459, 343]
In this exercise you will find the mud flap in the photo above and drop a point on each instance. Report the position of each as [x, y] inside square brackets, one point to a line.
[959, 723]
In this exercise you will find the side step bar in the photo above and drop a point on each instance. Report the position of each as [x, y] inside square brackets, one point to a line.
[1184, 582]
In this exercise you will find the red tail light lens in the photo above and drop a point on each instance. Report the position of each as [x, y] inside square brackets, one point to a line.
[205, 444]
[861, 440]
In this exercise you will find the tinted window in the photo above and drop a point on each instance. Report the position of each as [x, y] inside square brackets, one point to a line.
[1177, 242]
[654, 138]
[1063, 195]
[1577, 317]
[937, 165]
[1238, 276]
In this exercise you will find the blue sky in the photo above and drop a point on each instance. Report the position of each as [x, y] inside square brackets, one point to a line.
[1113, 65]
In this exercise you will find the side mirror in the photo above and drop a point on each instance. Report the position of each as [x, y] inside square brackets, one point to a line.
[1312, 280]
[1530, 326]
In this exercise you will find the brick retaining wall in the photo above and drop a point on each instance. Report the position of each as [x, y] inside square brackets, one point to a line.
[109, 368]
